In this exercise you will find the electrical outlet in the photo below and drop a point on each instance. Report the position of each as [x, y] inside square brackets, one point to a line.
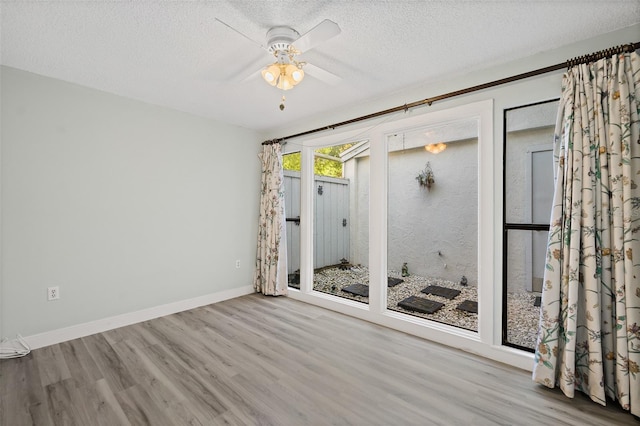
[238, 264]
[53, 293]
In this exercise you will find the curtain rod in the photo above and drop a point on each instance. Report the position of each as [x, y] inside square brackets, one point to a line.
[428, 101]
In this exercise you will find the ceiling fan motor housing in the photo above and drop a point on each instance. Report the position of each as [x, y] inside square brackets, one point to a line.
[279, 39]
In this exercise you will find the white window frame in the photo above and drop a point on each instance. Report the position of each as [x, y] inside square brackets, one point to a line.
[487, 341]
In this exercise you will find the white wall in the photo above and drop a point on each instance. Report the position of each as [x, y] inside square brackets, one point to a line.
[124, 205]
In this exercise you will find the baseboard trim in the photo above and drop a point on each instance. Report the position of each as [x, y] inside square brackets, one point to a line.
[98, 326]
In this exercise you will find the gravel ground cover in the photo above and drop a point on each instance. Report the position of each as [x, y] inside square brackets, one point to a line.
[522, 315]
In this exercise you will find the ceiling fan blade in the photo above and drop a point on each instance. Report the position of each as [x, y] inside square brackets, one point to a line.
[229, 72]
[224, 63]
[322, 74]
[322, 32]
[254, 74]
[241, 34]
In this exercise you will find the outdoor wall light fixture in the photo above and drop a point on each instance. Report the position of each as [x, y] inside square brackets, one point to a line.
[426, 177]
[435, 148]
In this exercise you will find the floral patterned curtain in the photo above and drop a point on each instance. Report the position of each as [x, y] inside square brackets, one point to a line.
[270, 277]
[589, 335]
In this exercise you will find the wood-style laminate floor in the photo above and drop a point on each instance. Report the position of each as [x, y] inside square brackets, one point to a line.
[275, 361]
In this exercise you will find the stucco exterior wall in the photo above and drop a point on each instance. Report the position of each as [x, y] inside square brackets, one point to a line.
[424, 222]
[443, 219]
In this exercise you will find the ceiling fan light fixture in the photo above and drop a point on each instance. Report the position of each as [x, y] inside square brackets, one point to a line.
[296, 73]
[285, 43]
[282, 75]
[284, 83]
[271, 73]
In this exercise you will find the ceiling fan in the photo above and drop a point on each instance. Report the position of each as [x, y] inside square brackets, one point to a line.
[285, 44]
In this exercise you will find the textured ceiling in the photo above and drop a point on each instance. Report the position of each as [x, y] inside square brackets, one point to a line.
[175, 53]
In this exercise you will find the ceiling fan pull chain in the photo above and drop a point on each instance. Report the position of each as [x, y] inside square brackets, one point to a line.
[282, 103]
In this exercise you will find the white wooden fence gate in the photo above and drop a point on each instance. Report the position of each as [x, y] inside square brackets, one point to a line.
[331, 215]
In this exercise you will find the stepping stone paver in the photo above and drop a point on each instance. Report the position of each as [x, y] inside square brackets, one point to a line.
[420, 304]
[447, 293]
[468, 306]
[357, 289]
[392, 282]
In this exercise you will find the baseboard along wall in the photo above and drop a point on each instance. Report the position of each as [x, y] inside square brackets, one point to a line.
[98, 326]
